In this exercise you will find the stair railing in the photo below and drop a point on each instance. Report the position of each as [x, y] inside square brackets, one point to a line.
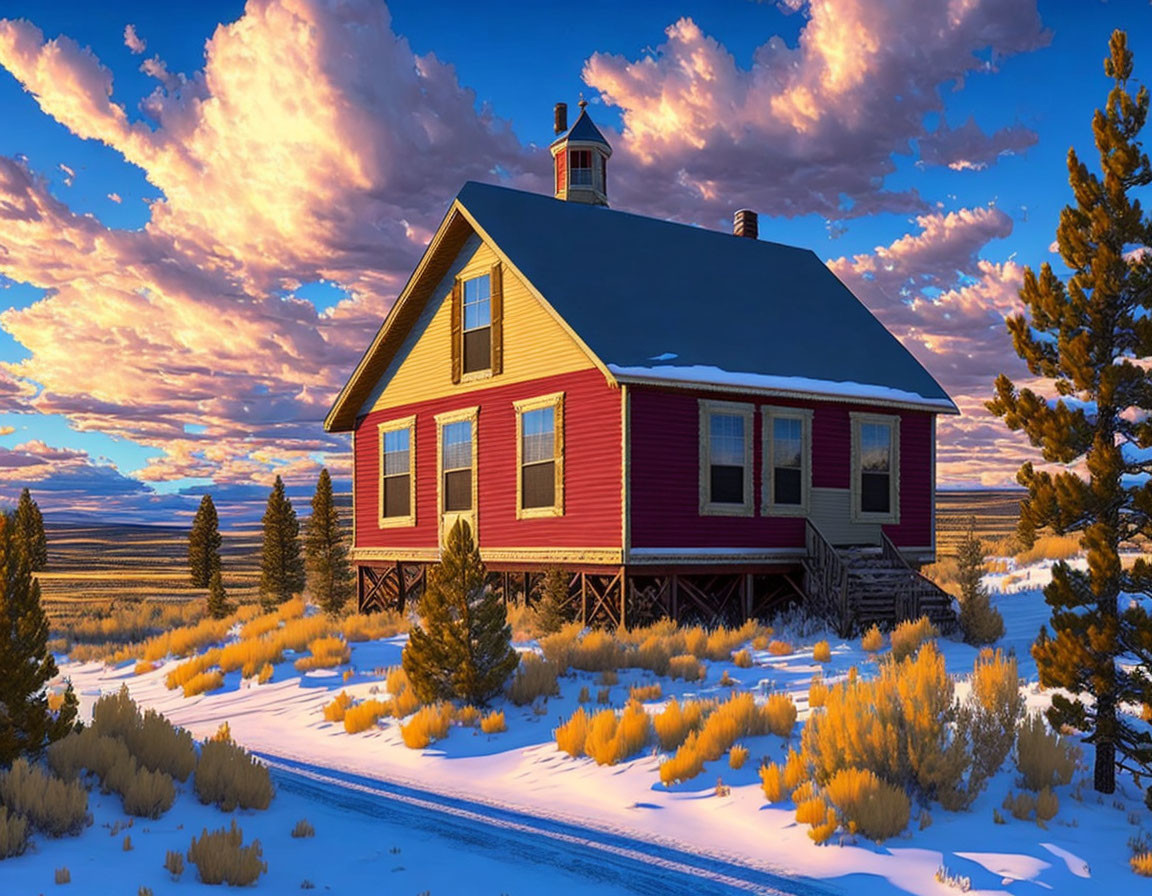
[827, 579]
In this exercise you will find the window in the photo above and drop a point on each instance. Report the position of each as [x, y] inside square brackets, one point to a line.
[477, 324]
[787, 460]
[725, 458]
[581, 175]
[540, 456]
[397, 473]
[875, 468]
[456, 451]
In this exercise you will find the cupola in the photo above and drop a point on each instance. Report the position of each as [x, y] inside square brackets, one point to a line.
[580, 158]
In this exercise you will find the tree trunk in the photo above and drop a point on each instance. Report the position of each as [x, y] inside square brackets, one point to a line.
[1104, 777]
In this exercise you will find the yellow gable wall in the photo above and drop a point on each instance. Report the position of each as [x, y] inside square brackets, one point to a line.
[535, 344]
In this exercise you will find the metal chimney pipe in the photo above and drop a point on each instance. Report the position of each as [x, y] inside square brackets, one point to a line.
[745, 223]
[560, 125]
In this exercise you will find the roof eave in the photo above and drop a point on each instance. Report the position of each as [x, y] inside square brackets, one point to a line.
[933, 405]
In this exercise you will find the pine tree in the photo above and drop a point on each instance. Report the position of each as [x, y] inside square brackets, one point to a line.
[26, 665]
[1090, 338]
[980, 622]
[204, 544]
[218, 605]
[462, 646]
[30, 530]
[550, 615]
[325, 552]
[281, 567]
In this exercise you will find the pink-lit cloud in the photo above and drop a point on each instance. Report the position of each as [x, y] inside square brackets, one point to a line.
[133, 41]
[809, 128]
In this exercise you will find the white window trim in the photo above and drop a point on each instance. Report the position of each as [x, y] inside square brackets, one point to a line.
[748, 412]
[556, 402]
[858, 515]
[396, 522]
[464, 414]
[767, 498]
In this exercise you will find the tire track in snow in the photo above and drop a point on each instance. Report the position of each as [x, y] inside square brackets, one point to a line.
[637, 865]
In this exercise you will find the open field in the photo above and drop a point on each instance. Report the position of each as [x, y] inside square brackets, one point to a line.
[995, 513]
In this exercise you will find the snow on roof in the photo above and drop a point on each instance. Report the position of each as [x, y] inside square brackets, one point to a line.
[779, 385]
[636, 288]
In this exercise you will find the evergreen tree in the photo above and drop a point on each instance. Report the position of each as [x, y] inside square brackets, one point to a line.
[26, 665]
[980, 622]
[325, 552]
[204, 544]
[462, 646]
[1090, 338]
[550, 616]
[281, 567]
[218, 605]
[30, 530]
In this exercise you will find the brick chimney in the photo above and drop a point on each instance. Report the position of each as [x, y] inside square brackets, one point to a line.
[746, 224]
[560, 124]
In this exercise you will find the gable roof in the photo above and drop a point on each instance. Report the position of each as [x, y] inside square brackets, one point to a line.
[655, 301]
[665, 297]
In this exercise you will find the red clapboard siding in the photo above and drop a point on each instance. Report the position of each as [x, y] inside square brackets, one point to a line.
[592, 513]
[664, 465]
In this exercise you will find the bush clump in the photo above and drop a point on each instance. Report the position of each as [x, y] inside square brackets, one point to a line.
[612, 739]
[335, 711]
[779, 648]
[737, 756]
[303, 828]
[231, 777]
[220, 857]
[51, 805]
[742, 659]
[822, 652]
[992, 715]
[737, 717]
[145, 793]
[1043, 758]
[174, 863]
[536, 677]
[571, 735]
[365, 715]
[646, 692]
[908, 636]
[873, 640]
[868, 805]
[685, 666]
[13, 833]
[430, 723]
[155, 742]
[673, 723]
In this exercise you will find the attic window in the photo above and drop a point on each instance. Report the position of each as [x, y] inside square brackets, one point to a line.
[477, 310]
[581, 175]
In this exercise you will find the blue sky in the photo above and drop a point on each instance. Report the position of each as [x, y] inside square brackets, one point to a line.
[931, 239]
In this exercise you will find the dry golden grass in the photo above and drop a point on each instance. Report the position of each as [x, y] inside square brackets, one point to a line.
[737, 756]
[1050, 547]
[203, 683]
[612, 739]
[13, 833]
[645, 692]
[742, 659]
[779, 648]
[50, 804]
[359, 627]
[817, 692]
[873, 640]
[737, 717]
[231, 777]
[673, 723]
[908, 636]
[685, 666]
[1047, 805]
[572, 734]
[1142, 864]
[220, 858]
[535, 677]
[326, 652]
[597, 651]
[303, 828]
[468, 716]
[1043, 757]
[365, 715]
[493, 723]
[334, 711]
[772, 782]
[431, 723]
[868, 805]
[822, 652]
[265, 674]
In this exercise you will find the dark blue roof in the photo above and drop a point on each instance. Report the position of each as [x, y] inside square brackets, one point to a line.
[637, 289]
[582, 130]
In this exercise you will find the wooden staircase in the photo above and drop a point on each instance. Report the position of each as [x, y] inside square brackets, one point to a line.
[855, 586]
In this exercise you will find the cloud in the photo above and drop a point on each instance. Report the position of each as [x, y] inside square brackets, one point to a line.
[806, 128]
[115, 197]
[69, 174]
[948, 306]
[133, 41]
[314, 145]
[969, 148]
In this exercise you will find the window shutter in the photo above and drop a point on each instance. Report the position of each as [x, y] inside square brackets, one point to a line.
[558, 467]
[497, 309]
[457, 332]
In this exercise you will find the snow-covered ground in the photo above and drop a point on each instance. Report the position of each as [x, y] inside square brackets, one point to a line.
[1083, 850]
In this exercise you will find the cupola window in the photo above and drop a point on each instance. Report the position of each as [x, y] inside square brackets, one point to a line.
[581, 175]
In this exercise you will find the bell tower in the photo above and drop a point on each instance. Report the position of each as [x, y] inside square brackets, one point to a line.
[580, 158]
